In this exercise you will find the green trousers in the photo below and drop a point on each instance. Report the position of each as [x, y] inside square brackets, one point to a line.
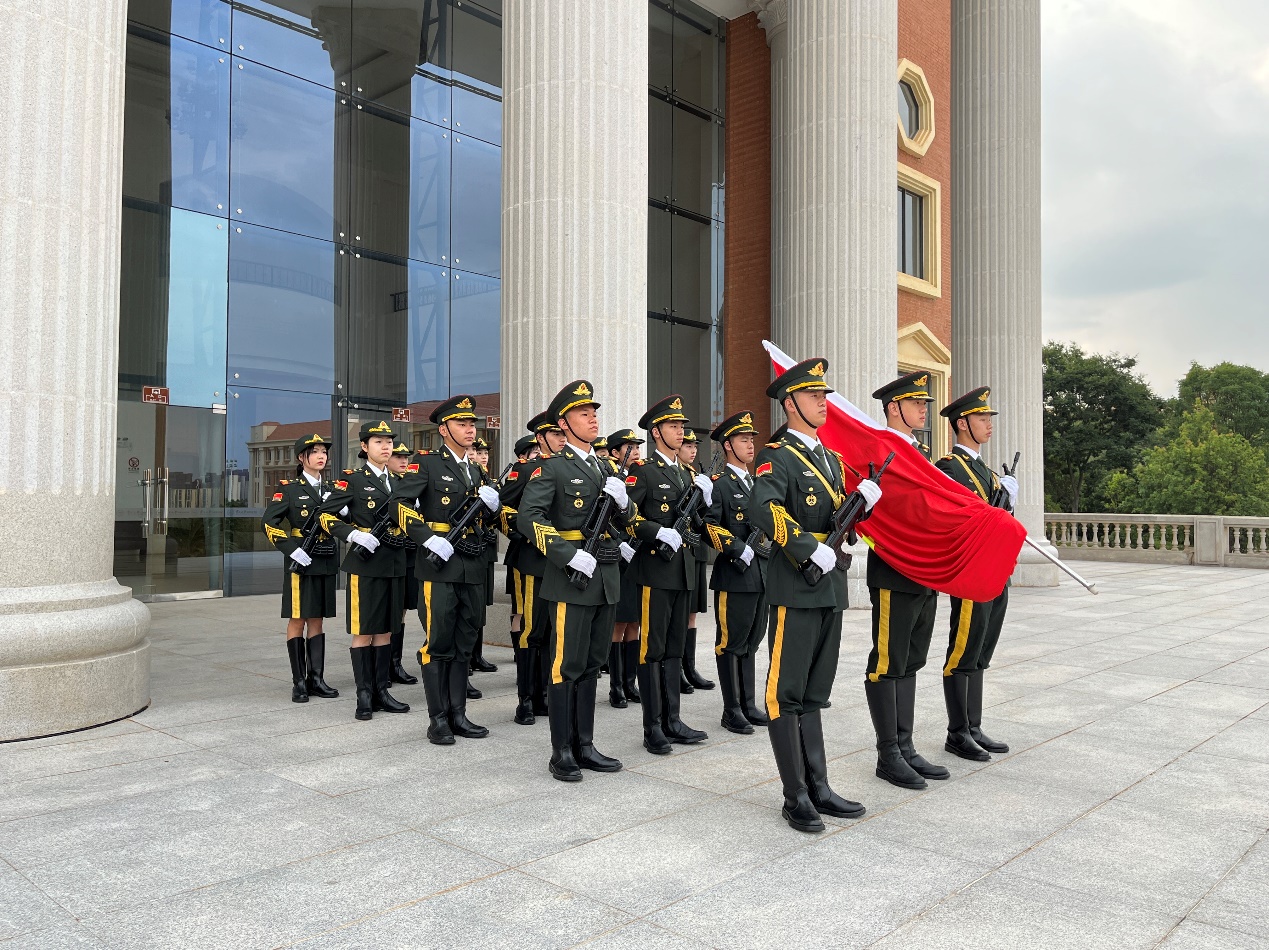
[663, 623]
[452, 615]
[742, 622]
[902, 626]
[581, 635]
[804, 645]
[974, 634]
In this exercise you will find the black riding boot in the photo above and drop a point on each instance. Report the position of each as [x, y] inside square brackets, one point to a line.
[383, 700]
[748, 698]
[299, 669]
[397, 674]
[524, 687]
[786, 743]
[458, 721]
[689, 663]
[630, 666]
[675, 729]
[729, 684]
[436, 688]
[905, 705]
[363, 664]
[478, 662]
[317, 668]
[654, 739]
[959, 740]
[584, 752]
[825, 800]
[538, 680]
[562, 703]
[891, 764]
[616, 676]
[975, 710]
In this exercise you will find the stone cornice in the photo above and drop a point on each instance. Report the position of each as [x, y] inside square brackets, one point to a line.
[773, 15]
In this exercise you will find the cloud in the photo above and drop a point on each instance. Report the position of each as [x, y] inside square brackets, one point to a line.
[1156, 180]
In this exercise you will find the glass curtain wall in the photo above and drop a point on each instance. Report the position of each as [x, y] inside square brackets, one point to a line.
[685, 214]
[311, 239]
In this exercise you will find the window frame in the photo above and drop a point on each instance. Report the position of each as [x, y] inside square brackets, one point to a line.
[914, 77]
[931, 285]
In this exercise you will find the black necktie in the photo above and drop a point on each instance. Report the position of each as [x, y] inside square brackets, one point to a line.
[387, 483]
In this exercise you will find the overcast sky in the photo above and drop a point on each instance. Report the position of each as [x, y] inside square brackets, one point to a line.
[1156, 180]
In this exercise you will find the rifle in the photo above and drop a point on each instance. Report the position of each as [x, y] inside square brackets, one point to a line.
[1000, 497]
[845, 517]
[380, 531]
[688, 511]
[598, 522]
[490, 534]
[310, 531]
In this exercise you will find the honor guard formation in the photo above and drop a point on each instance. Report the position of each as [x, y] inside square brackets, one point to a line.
[609, 540]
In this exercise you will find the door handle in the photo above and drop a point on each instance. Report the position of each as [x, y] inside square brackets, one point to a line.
[164, 480]
[146, 494]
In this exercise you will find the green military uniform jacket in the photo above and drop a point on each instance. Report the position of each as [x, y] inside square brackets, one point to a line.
[728, 526]
[522, 555]
[559, 496]
[794, 506]
[363, 494]
[971, 472]
[284, 517]
[430, 497]
[655, 488]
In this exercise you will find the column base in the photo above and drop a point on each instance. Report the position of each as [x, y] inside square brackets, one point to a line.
[1035, 570]
[73, 657]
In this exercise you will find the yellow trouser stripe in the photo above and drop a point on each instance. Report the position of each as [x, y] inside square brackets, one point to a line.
[722, 622]
[425, 657]
[526, 618]
[645, 612]
[883, 638]
[561, 612]
[962, 637]
[518, 579]
[295, 596]
[773, 674]
[354, 600]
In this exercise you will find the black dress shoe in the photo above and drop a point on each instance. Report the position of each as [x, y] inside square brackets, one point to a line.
[963, 745]
[986, 742]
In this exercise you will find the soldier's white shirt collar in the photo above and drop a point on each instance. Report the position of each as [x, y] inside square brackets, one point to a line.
[460, 459]
[584, 456]
[809, 442]
[379, 472]
[907, 435]
[672, 462]
[971, 452]
[741, 472]
[310, 479]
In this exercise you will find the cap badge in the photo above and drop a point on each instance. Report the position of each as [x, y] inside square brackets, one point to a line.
[465, 404]
[817, 369]
[677, 405]
[582, 390]
[381, 427]
[983, 397]
[746, 420]
[922, 381]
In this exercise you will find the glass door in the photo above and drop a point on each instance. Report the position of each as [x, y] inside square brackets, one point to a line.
[169, 500]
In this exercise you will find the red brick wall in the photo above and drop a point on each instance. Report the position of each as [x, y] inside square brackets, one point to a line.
[925, 38]
[747, 252]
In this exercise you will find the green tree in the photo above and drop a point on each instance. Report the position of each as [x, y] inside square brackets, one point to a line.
[1237, 395]
[1098, 413]
[1201, 471]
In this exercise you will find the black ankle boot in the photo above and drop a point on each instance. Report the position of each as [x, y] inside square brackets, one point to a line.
[584, 752]
[363, 666]
[685, 685]
[616, 676]
[538, 680]
[524, 688]
[748, 698]
[562, 704]
[458, 721]
[654, 739]
[689, 663]
[959, 741]
[317, 668]
[974, 708]
[675, 729]
[436, 689]
[397, 673]
[825, 800]
[786, 743]
[891, 765]
[478, 662]
[630, 667]
[383, 701]
[729, 685]
[905, 707]
[299, 669]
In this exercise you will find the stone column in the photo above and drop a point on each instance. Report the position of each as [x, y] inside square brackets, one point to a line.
[73, 646]
[833, 285]
[996, 239]
[574, 205]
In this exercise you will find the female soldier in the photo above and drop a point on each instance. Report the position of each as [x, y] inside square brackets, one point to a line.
[623, 655]
[480, 452]
[691, 680]
[308, 590]
[399, 464]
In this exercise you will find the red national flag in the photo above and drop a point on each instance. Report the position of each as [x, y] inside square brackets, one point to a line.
[926, 526]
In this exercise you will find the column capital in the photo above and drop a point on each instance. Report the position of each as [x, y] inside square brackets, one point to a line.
[773, 16]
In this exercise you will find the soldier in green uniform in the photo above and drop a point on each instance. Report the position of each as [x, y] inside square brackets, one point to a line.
[623, 655]
[554, 508]
[798, 486]
[399, 464]
[902, 619]
[309, 580]
[375, 595]
[975, 627]
[451, 605]
[480, 452]
[689, 679]
[738, 578]
[526, 449]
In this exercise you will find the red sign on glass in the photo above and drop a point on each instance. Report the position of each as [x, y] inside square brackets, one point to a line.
[493, 422]
[158, 394]
[401, 415]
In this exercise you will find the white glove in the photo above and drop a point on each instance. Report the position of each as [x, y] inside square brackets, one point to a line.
[706, 486]
[581, 561]
[300, 557]
[490, 497]
[440, 547]
[746, 556]
[824, 558]
[616, 489]
[871, 492]
[670, 537]
[365, 539]
[325, 495]
[1010, 484]
[343, 512]
[627, 552]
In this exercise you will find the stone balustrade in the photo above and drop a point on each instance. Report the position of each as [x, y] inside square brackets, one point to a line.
[1160, 539]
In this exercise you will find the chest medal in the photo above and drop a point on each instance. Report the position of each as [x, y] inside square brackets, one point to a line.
[578, 503]
[370, 502]
[664, 507]
[810, 500]
[445, 499]
[303, 512]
